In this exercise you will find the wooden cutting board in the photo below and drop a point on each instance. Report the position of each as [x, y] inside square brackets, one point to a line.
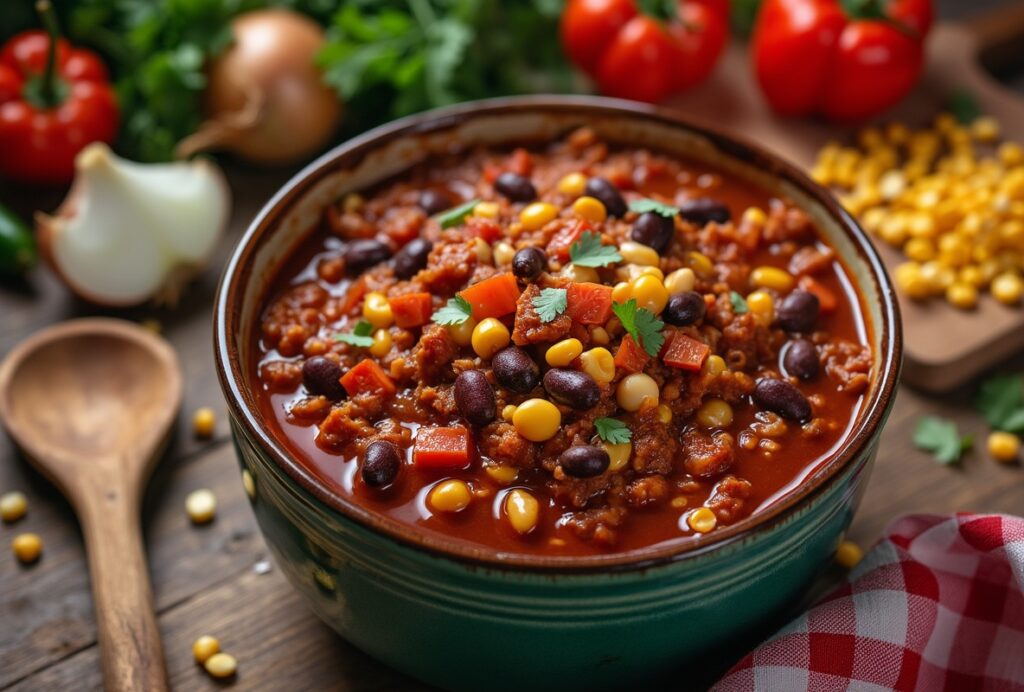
[944, 346]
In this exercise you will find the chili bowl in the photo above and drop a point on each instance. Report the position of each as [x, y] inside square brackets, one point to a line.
[462, 617]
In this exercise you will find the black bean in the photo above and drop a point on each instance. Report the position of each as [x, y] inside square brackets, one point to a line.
[475, 398]
[362, 254]
[411, 258]
[529, 262]
[798, 312]
[782, 398]
[322, 376]
[434, 202]
[704, 210]
[584, 461]
[514, 369]
[609, 195]
[381, 462]
[684, 309]
[572, 388]
[515, 187]
[801, 359]
[654, 230]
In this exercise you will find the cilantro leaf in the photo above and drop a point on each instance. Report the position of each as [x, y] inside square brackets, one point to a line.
[941, 438]
[613, 431]
[456, 215]
[645, 205]
[739, 303]
[589, 252]
[1001, 401]
[550, 304]
[641, 324]
[963, 105]
[359, 336]
[456, 311]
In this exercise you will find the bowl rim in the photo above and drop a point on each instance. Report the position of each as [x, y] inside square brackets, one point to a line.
[232, 373]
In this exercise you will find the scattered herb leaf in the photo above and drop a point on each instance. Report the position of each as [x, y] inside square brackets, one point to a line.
[940, 437]
[1001, 401]
[589, 252]
[645, 205]
[613, 431]
[456, 311]
[359, 336]
[964, 106]
[739, 303]
[456, 215]
[550, 304]
[642, 325]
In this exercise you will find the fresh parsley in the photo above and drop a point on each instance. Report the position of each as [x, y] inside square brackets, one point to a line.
[642, 325]
[359, 336]
[550, 304]
[613, 431]
[456, 215]
[739, 303]
[642, 206]
[589, 252]
[456, 311]
[1001, 401]
[940, 437]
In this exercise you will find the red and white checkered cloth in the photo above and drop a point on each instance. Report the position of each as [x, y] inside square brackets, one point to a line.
[938, 604]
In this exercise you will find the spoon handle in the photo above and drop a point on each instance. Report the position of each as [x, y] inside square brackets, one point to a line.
[126, 623]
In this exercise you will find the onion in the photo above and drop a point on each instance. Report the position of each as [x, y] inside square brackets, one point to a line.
[130, 232]
[265, 99]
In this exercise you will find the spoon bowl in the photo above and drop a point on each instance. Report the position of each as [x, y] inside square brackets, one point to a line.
[90, 403]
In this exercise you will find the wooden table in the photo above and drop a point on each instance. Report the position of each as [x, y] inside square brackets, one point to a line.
[218, 579]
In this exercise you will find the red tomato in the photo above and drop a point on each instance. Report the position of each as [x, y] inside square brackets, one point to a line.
[588, 27]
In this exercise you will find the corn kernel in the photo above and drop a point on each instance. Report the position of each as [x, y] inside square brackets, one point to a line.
[486, 210]
[1003, 446]
[622, 292]
[971, 275]
[204, 647]
[762, 306]
[451, 495]
[680, 281]
[501, 474]
[599, 336]
[13, 506]
[701, 263]
[1011, 154]
[204, 421]
[754, 216]
[563, 353]
[508, 412]
[913, 283]
[201, 506]
[636, 253]
[772, 277]
[961, 295]
[522, 510]
[483, 252]
[381, 343]
[919, 249]
[715, 413]
[1007, 288]
[572, 184]
[377, 310]
[27, 547]
[938, 276]
[848, 554]
[503, 254]
[892, 184]
[462, 333]
[535, 215]
[579, 274]
[664, 414]
[599, 364]
[636, 390]
[650, 293]
[618, 454]
[352, 202]
[221, 665]
[702, 520]
[589, 209]
[537, 420]
[985, 129]
[489, 337]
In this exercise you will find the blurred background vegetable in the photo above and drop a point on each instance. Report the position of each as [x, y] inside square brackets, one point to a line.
[17, 246]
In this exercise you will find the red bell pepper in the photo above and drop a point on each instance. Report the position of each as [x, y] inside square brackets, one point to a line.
[493, 297]
[630, 356]
[561, 242]
[366, 377]
[588, 303]
[54, 100]
[441, 448]
[842, 59]
[826, 298]
[637, 56]
[412, 309]
[685, 352]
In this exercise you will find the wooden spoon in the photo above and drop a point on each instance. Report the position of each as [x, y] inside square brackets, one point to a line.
[90, 402]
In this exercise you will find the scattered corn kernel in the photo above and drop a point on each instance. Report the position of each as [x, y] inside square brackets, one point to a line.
[27, 547]
[537, 420]
[486, 210]
[1003, 446]
[680, 281]
[599, 364]
[715, 413]
[702, 520]
[381, 343]
[489, 337]
[772, 277]
[503, 254]
[910, 279]
[650, 293]
[484, 254]
[451, 495]
[13, 506]
[201, 506]
[579, 274]
[508, 412]
[919, 249]
[714, 365]
[522, 510]
[572, 184]
[754, 216]
[963, 296]
[462, 334]
[635, 390]
[701, 263]
[1007, 288]
[564, 352]
[664, 414]
[679, 502]
[204, 647]
[204, 420]
[637, 253]
[618, 454]
[249, 484]
[621, 292]
[535, 215]
[589, 209]
[848, 554]
[985, 129]
[762, 306]
[501, 474]
[377, 310]
[599, 336]
[221, 665]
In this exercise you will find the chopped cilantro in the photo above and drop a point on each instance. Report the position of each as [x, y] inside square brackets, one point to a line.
[589, 252]
[456, 311]
[645, 205]
[739, 303]
[359, 336]
[642, 325]
[613, 431]
[1001, 401]
[456, 215]
[550, 304]
[963, 105]
[940, 437]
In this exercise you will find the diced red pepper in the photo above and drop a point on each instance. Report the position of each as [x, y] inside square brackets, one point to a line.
[589, 303]
[686, 353]
[520, 162]
[442, 448]
[826, 297]
[354, 296]
[486, 229]
[631, 357]
[493, 297]
[412, 309]
[366, 377]
[563, 239]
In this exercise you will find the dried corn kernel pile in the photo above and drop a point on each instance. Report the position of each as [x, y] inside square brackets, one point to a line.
[951, 197]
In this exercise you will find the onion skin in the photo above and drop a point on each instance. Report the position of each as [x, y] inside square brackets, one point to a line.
[265, 99]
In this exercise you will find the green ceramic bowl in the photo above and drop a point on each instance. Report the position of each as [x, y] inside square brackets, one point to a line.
[466, 618]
